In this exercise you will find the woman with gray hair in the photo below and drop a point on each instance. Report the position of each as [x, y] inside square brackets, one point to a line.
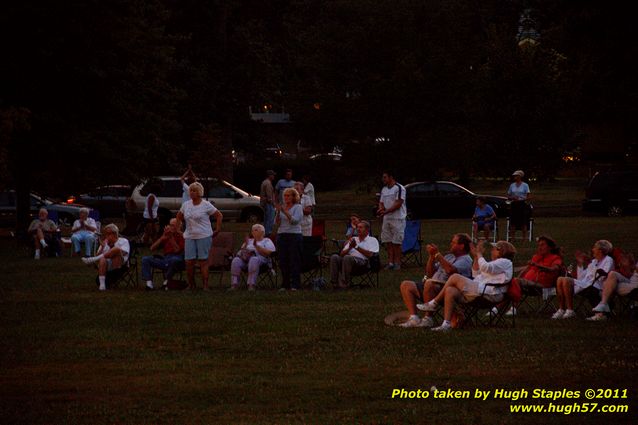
[254, 253]
[290, 240]
[83, 231]
[198, 236]
[567, 287]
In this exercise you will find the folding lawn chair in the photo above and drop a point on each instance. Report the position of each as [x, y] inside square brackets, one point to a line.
[474, 311]
[221, 254]
[368, 277]
[311, 264]
[411, 248]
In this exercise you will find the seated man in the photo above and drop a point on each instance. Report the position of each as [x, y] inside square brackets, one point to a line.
[172, 243]
[83, 231]
[45, 234]
[112, 255]
[543, 269]
[484, 217]
[353, 257]
[440, 267]
[615, 282]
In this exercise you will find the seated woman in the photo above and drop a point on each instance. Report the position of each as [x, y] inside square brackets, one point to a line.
[461, 289]
[615, 282]
[83, 230]
[351, 232]
[567, 287]
[484, 217]
[254, 253]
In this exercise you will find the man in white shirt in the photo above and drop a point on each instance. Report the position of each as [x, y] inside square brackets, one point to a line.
[393, 211]
[112, 255]
[354, 256]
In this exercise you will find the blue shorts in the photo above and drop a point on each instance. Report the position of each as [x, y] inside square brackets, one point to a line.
[197, 249]
[481, 224]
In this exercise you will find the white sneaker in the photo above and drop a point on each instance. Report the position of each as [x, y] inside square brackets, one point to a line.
[601, 308]
[44, 244]
[569, 314]
[429, 306]
[412, 322]
[102, 287]
[89, 260]
[559, 314]
[492, 312]
[443, 328]
[511, 312]
[597, 318]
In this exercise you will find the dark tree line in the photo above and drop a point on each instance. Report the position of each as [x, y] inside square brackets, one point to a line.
[98, 91]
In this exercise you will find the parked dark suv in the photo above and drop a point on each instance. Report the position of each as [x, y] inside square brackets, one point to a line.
[612, 192]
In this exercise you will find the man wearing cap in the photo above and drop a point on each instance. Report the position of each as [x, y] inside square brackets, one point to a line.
[267, 201]
[518, 193]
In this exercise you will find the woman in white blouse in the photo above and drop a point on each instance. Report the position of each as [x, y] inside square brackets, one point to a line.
[254, 253]
[566, 287]
[461, 289]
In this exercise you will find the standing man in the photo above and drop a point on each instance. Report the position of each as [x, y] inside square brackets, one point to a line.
[284, 184]
[393, 211]
[267, 201]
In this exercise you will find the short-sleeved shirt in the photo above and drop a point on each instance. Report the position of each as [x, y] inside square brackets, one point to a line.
[122, 244]
[197, 218]
[463, 265]
[282, 185]
[46, 225]
[266, 193]
[483, 213]
[265, 243]
[306, 221]
[389, 195]
[168, 247]
[309, 191]
[519, 193]
[77, 225]
[369, 244]
[545, 278]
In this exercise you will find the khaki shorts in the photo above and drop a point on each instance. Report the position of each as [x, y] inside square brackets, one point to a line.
[392, 231]
[626, 284]
[471, 292]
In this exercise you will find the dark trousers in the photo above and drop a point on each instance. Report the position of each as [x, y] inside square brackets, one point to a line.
[290, 248]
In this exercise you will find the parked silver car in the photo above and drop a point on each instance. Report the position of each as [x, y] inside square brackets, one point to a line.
[233, 202]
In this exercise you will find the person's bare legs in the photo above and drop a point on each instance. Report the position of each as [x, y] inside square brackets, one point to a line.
[190, 273]
[456, 280]
[609, 287]
[430, 290]
[397, 254]
[451, 295]
[410, 294]
[486, 231]
[203, 268]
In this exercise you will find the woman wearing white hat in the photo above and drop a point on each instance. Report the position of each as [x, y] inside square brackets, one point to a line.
[518, 193]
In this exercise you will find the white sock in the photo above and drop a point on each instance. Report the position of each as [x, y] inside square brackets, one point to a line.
[43, 243]
[149, 283]
[91, 260]
[446, 323]
[568, 310]
[415, 317]
[165, 283]
[37, 252]
[102, 282]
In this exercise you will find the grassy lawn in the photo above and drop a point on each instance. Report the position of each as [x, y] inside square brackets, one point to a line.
[73, 355]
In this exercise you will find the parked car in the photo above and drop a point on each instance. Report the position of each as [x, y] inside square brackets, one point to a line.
[443, 199]
[110, 200]
[233, 202]
[612, 192]
[67, 214]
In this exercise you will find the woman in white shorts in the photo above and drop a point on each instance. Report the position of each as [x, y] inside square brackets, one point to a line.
[461, 289]
[567, 287]
[615, 283]
[199, 234]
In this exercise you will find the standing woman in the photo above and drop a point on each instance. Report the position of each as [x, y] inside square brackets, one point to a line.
[151, 205]
[199, 234]
[289, 239]
[307, 206]
[519, 194]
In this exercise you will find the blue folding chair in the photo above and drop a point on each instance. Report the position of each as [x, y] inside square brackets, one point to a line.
[411, 248]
